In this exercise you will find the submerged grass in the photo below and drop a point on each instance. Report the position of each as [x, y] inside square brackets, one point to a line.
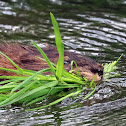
[30, 86]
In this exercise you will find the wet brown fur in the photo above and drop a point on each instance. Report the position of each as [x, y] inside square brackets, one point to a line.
[26, 58]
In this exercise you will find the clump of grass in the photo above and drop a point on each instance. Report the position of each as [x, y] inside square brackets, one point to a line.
[33, 86]
[111, 67]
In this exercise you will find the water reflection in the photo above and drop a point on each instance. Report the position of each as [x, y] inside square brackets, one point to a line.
[98, 114]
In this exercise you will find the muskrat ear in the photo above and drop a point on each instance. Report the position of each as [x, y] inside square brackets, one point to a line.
[66, 60]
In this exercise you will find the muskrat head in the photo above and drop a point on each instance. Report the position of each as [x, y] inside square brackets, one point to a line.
[88, 68]
[91, 73]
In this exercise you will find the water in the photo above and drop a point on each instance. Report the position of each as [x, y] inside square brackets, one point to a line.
[96, 32]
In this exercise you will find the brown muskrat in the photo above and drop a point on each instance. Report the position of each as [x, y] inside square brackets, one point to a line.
[26, 57]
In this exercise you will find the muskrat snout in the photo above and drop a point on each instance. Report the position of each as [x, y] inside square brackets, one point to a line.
[89, 72]
[89, 75]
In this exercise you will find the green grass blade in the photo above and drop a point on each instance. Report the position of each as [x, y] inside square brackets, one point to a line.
[69, 77]
[74, 62]
[46, 58]
[89, 95]
[45, 93]
[26, 81]
[13, 77]
[25, 72]
[11, 61]
[60, 48]
[57, 101]
[11, 84]
[5, 82]
[38, 91]
[15, 97]
[118, 59]
[36, 100]
[110, 67]
[68, 86]
[92, 82]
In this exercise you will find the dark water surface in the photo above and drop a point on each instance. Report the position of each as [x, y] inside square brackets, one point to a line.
[97, 32]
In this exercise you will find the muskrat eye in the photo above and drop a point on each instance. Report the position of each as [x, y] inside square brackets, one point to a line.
[66, 62]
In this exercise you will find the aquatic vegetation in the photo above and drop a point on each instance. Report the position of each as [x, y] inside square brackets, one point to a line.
[30, 86]
[111, 67]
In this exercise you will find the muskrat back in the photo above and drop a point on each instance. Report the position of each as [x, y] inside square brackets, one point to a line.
[26, 57]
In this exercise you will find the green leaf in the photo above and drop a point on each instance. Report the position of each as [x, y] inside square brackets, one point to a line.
[46, 58]
[59, 45]
[11, 61]
[15, 96]
[38, 91]
[57, 101]
[26, 81]
[89, 95]
[36, 100]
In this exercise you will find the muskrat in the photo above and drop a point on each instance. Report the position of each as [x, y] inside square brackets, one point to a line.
[26, 57]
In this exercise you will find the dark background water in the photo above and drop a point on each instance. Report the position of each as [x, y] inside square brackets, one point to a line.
[94, 28]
